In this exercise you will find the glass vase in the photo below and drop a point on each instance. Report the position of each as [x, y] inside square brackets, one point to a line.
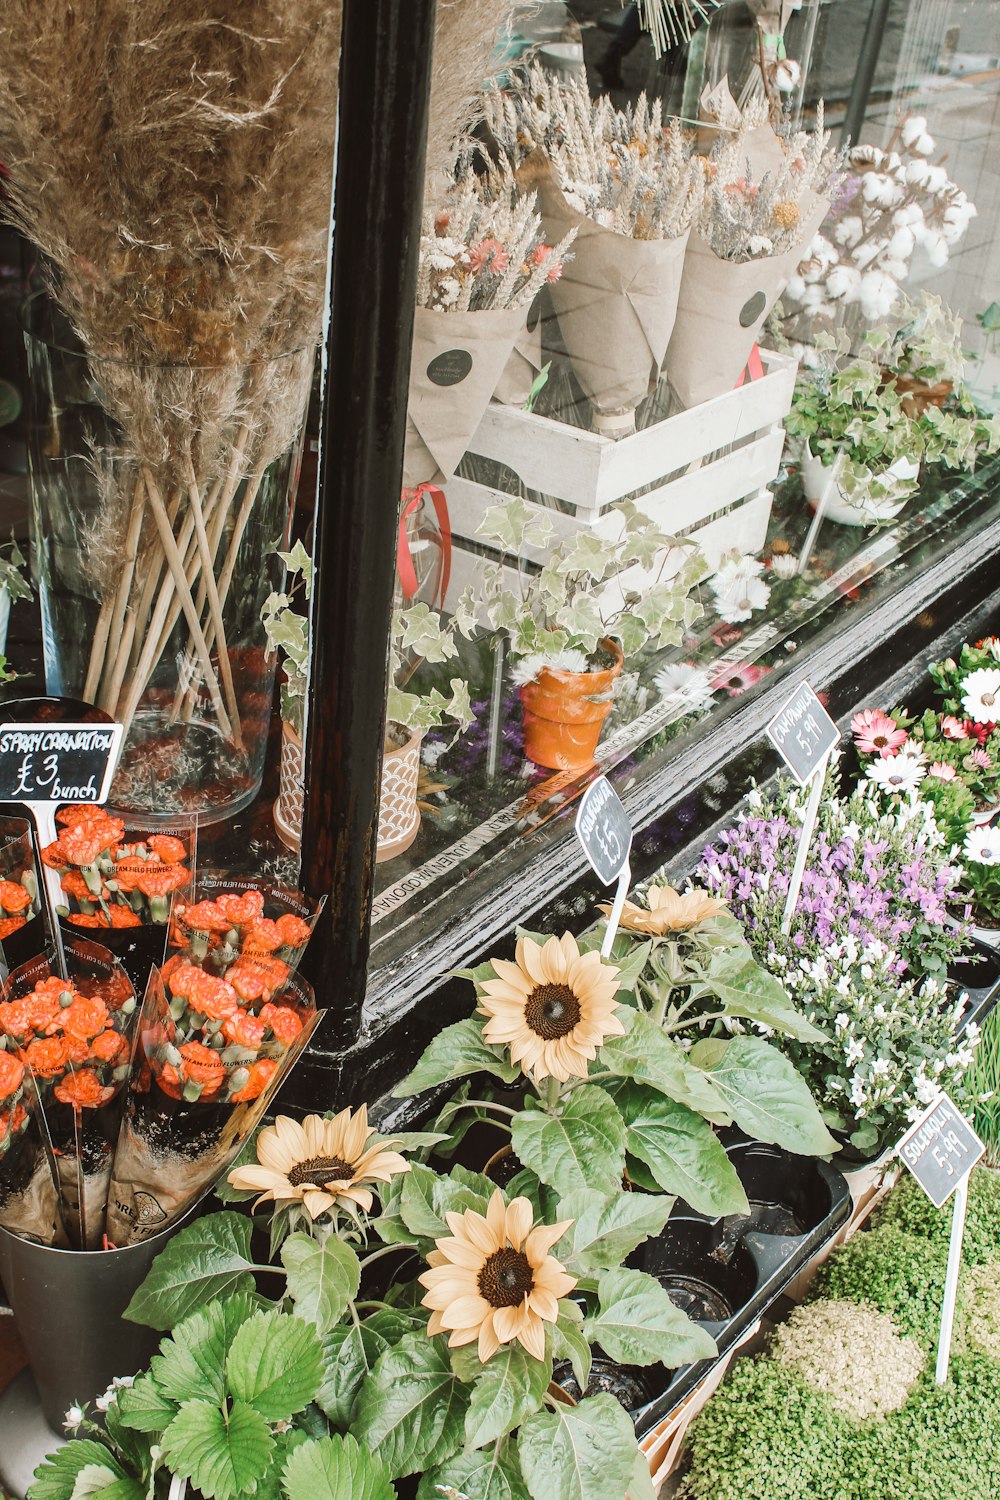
[158, 496]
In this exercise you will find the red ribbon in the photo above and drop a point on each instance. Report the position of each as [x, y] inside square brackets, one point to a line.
[404, 558]
[754, 367]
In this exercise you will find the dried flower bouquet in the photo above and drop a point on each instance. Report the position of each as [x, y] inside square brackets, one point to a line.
[629, 186]
[152, 148]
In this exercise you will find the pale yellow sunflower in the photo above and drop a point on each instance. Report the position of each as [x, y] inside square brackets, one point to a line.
[553, 1007]
[669, 911]
[320, 1163]
[494, 1279]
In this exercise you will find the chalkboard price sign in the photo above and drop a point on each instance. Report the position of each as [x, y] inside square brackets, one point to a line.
[57, 763]
[803, 733]
[940, 1149]
[603, 828]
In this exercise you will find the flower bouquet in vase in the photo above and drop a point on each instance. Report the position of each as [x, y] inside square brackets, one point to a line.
[170, 366]
[628, 188]
[765, 195]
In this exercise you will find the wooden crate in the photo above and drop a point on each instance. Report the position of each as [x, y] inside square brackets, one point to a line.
[705, 472]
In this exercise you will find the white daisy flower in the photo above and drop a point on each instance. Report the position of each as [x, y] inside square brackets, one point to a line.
[901, 773]
[981, 695]
[784, 565]
[686, 684]
[740, 603]
[982, 845]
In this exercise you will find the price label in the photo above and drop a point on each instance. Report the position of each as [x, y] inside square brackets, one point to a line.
[940, 1149]
[58, 763]
[803, 733]
[603, 828]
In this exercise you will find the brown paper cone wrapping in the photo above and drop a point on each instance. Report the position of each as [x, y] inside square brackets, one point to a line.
[457, 360]
[523, 363]
[615, 302]
[721, 310]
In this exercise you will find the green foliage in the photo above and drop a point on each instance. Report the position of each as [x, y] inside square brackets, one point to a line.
[412, 1406]
[901, 1273]
[419, 634]
[908, 1209]
[638, 1324]
[984, 1086]
[323, 1279]
[209, 1258]
[457, 1052]
[584, 1452]
[580, 1144]
[335, 1468]
[288, 632]
[560, 609]
[766, 1097]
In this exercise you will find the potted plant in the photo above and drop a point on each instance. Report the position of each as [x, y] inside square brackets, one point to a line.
[418, 634]
[597, 600]
[871, 974]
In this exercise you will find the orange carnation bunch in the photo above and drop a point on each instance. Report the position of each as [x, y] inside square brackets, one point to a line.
[111, 881]
[74, 1041]
[249, 937]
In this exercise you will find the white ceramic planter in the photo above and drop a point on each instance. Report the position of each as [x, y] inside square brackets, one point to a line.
[817, 477]
[291, 789]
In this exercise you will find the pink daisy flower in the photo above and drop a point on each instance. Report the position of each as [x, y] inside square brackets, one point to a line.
[952, 728]
[736, 680]
[980, 759]
[942, 771]
[875, 733]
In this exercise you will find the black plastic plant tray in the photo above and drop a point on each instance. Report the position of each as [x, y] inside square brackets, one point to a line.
[725, 1273]
[981, 982]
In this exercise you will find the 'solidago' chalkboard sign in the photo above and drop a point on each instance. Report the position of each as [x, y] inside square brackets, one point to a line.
[940, 1149]
[603, 828]
[57, 763]
[803, 733]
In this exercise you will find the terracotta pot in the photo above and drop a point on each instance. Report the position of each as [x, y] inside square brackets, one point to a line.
[564, 713]
[291, 789]
[917, 395]
[398, 814]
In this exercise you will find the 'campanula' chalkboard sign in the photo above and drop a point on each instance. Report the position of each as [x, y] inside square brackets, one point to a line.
[803, 733]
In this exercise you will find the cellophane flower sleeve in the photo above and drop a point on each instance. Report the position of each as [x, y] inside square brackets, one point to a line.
[210, 1058]
[72, 1038]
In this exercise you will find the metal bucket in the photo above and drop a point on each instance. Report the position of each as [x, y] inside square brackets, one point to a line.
[68, 1307]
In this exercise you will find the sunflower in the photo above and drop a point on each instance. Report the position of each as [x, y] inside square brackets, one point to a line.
[669, 911]
[553, 1007]
[320, 1163]
[494, 1279]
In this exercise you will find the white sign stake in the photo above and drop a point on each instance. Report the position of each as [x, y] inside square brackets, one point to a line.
[605, 833]
[44, 814]
[940, 1149]
[805, 838]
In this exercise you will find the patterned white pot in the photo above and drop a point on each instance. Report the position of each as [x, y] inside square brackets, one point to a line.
[291, 789]
[398, 814]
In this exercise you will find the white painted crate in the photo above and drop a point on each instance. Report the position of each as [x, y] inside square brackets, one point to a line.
[709, 467]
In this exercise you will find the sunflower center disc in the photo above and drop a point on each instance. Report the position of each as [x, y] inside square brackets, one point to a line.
[506, 1278]
[319, 1170]
[552, 1011]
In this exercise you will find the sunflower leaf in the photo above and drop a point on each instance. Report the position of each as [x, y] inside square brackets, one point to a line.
[224, 1455]
[607, 1228]
[322, 1279]
[275, 1365]
[490, 1475]
[748, 991]
[675, 1151]
[455, 1052]
[412, 1406]
[646, 1055]
[336, 1468]
[584, 1452]
[208, 1259]
[638, 1324]
[764, 1094]
[581, 1145]
[569, 1341]
[510, 1387]
[190, 1365]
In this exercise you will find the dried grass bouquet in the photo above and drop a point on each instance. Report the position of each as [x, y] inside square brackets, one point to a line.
[175, 170]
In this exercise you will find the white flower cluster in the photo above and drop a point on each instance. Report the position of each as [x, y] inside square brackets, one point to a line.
[525, 669]
[896, 200]
[684, 686]
[738, 587]
[891, 1049]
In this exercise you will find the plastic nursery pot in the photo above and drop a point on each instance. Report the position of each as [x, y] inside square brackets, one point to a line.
[503, 1166]
[789, 1195]
[706, 1273]
[632, 1386]
[564, 712]
[398, 813]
